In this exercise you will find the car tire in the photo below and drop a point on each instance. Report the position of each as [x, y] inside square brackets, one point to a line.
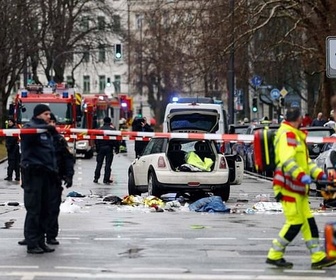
[132, 189]
[153, 185]
[223, 192]
[88, 154]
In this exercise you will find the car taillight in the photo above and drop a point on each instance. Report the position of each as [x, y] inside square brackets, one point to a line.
[161, 162]
[222, 163]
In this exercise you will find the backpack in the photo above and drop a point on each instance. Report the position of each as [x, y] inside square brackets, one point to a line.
[264, 149]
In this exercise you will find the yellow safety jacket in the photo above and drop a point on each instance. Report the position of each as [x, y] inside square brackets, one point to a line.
[292, 158]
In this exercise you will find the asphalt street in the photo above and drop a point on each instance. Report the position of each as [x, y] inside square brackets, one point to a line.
[100, 240]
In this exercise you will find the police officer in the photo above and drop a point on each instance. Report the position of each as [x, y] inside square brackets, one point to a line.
[39, 171]
[293, 174]
[104, 150]
[65, 164]
[13, 154]
[140, 124]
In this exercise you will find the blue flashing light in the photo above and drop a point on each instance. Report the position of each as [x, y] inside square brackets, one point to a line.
[175, 99]
[124, 104]
[65, 94]
[24, 94]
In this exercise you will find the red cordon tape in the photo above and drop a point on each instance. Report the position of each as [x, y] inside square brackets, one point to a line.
[138, 135]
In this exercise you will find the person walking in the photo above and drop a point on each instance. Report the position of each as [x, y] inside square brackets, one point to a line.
[39, 172]
[140, 124]
[13, 153]
[292, 176]
[104, 150]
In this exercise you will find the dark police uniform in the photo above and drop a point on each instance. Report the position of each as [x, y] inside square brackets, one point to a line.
[104, 150]
[39, 171]
[65, 163]
[13, 156]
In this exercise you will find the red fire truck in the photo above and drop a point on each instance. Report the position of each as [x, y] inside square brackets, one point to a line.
[61, 100]
[95, 107]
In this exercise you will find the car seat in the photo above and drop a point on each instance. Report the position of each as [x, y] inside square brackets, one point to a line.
[176, 155]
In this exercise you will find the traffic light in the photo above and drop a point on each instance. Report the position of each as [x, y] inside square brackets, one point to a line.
[255, 105]
[281, 102]
[118, 51]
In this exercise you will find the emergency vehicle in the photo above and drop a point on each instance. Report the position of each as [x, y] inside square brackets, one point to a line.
[95, 107]
[60, 99]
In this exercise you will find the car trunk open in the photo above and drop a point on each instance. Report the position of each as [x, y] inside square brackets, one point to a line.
[177, 152]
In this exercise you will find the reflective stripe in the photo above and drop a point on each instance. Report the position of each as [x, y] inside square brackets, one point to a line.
[313, 169]
[292, 142]
[279, 245]
[287, 183]
[313, 246]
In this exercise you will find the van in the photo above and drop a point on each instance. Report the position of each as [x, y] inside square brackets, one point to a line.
[195, 117]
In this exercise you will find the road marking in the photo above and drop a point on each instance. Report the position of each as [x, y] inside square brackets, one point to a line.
[260, 238]
[20, 266]
[163, 238]
[111, 238]
[216, 238]
[31, 275]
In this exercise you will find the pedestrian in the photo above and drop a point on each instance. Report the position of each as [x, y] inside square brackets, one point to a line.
[292, 176]
[13, 153]
[319, 121]
[140, 124]
[331, 121]
[65, 164]
[306, 121]
[104, 150]
[39, 172]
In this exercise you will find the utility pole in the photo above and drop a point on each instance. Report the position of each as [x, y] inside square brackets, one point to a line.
[141, 70]
[231, 72]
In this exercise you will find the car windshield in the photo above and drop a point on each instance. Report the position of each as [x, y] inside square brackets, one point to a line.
[62, 112]
[194, 122]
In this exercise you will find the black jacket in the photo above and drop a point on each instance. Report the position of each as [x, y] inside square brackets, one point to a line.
[65, 160]
[12, 142]
[38, 149]
[107, 143]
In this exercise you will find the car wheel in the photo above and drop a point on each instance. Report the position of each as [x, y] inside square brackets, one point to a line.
[132, 189]
[89, 154]
[223, 192]
[153, 185]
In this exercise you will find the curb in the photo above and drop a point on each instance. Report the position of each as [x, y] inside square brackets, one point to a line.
[3, 160]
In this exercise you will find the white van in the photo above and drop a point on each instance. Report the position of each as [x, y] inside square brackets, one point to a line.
[195, 117]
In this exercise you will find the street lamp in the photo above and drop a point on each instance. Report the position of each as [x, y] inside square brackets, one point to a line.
[141, 70]
[231, 72]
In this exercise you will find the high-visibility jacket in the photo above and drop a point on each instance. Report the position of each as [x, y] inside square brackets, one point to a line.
[292, 158]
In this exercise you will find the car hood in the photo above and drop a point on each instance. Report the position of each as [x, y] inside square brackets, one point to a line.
[193, 121]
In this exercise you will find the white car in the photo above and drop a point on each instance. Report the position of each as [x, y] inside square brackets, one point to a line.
[323, 159]
[162, 169]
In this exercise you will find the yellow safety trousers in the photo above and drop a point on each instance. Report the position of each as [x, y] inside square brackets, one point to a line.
[296, 213]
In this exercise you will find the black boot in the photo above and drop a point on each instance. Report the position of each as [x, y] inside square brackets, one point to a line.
[281, 263]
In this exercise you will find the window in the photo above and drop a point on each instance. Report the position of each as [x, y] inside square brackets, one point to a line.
[102, 83]
[117, 83]
[86, 55]
[101, 23]
[85, 23]
[116, 23]
[69, 81]
[86, 84]
[101, 53]
[138, 20]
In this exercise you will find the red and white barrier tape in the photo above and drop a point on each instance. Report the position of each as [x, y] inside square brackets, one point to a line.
[78, 133]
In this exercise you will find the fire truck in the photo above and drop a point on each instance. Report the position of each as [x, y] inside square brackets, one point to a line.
[95, 107]
[60, 99]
